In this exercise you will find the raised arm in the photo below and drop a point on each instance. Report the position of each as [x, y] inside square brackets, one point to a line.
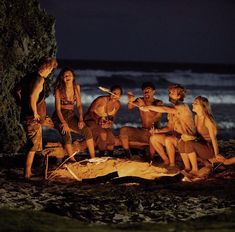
[160, 109]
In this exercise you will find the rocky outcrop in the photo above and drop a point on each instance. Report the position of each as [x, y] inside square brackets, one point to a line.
[27, 35]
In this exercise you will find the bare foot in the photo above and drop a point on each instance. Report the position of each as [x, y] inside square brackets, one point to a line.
[166, 162]
[194, 173]
[27, 175]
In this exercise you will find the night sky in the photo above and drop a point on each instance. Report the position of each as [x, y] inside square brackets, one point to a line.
[191, 31]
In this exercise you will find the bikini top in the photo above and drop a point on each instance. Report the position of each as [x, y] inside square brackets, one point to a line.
[203, 131]
[103, 112]
[65, 101]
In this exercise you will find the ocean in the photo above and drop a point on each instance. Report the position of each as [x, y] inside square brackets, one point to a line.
[218, 88]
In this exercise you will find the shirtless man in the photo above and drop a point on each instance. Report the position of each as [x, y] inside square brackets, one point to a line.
[180, 124]
[148, 119]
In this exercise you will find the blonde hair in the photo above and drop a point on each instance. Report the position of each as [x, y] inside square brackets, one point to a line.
[48, 62]
[204, 102]
[181, 91]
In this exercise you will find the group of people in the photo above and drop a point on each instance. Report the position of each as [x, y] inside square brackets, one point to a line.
[193, 136]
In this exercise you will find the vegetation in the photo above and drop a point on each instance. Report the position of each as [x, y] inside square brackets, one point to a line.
[27, 35]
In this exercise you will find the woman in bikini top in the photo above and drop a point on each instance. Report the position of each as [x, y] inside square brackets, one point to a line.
[104, 108]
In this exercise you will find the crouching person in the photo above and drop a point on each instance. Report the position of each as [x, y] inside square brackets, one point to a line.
[100, 117]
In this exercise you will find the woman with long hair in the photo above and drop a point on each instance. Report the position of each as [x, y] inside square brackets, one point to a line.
[67, 94]
[205, 146]
[100, 117]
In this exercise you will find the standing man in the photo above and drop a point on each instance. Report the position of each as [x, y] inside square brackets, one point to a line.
[33, 109]
[148, 119]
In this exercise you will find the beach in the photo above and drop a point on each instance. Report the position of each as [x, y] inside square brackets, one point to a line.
[165, 203]
[168, 202]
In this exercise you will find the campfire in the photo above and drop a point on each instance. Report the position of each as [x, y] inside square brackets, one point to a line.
[98, 167]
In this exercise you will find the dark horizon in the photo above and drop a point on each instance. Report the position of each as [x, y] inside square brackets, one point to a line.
[147, 66]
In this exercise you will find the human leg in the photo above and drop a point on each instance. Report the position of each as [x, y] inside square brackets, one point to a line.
[99, 137]
[33, 131]
[91, 147]
[110, 142]
[69, 150]
[28, 164]
[86, 132]
[157, 142]
[171, 144]
[124, 137]
[186, 161]
[193, 160]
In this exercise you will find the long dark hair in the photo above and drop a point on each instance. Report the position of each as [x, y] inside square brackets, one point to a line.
[59, 83]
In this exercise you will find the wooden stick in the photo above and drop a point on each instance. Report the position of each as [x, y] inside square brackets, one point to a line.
[62, 164]
[108, 91]
[72, 173]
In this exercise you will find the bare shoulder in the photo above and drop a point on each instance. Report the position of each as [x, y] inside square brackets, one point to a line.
[183, 110]
[38, 83]
[182, 107]
[39, 80]
[99, 100]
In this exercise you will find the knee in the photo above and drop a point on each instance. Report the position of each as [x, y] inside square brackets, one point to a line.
[86, 132]
[192, 155]
[169, 141]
